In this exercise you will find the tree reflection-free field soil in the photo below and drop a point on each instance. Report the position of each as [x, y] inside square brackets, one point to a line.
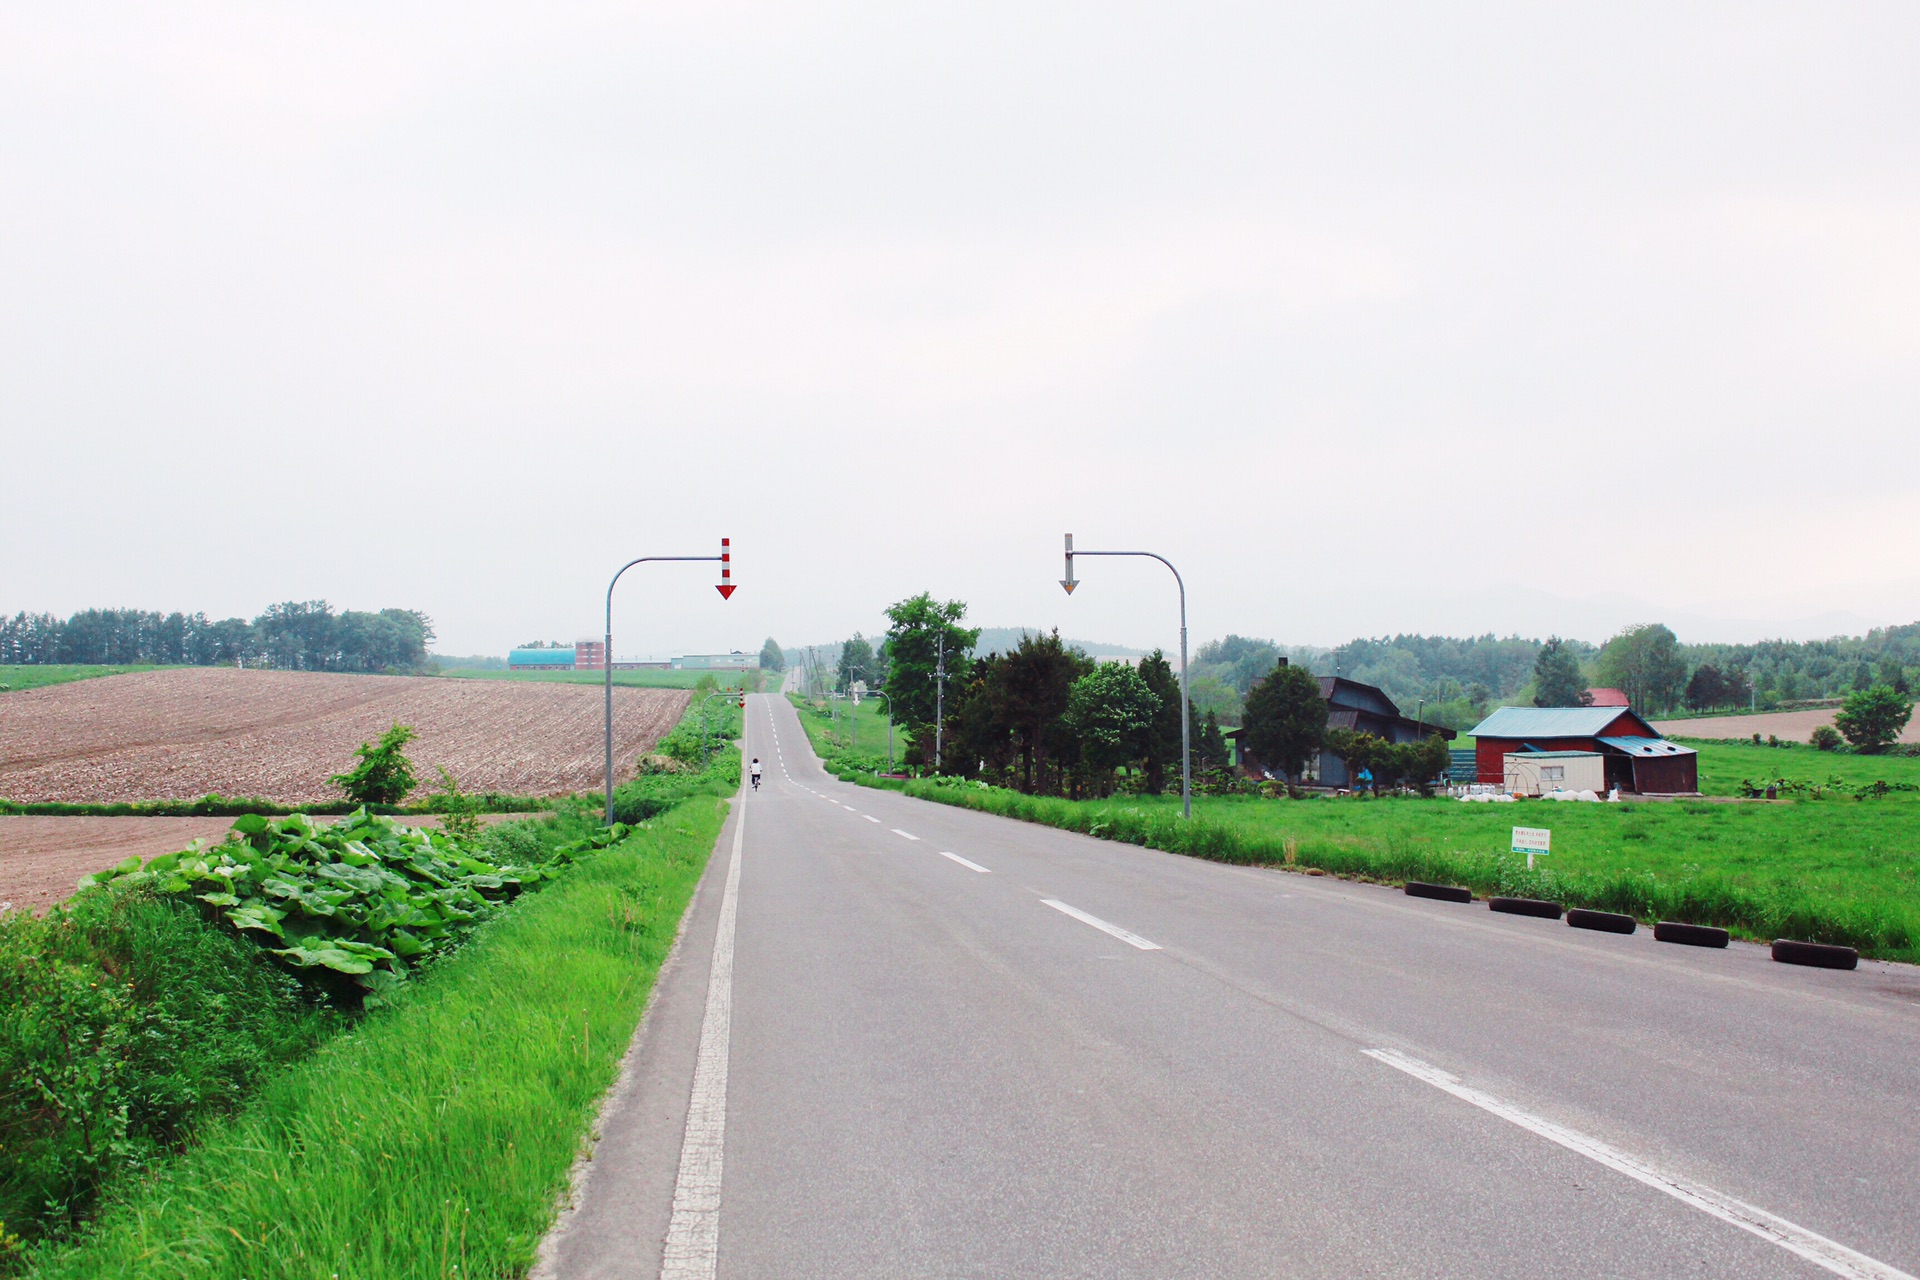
[184, 732]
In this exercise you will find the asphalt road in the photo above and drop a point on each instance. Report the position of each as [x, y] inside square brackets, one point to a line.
[954, 1045]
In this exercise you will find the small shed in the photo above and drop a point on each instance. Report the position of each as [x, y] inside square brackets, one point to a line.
[1535, 773]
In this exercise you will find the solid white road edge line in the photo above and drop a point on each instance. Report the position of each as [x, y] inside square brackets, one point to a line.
[693, 1232]
[1817, 1249]
[971, 866]
[1131, 939]
[897, 831]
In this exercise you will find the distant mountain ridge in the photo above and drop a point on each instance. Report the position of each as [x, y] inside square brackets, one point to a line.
[1001, 639]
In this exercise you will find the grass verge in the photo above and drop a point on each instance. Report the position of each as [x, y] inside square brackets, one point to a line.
[1840, 871]
[848, 737]
[17, 676]
[434, 1139]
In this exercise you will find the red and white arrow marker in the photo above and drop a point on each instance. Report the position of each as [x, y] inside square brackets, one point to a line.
[725, 585]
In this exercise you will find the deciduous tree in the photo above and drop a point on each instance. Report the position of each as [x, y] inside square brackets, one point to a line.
[1873, 718]
[1286, 719]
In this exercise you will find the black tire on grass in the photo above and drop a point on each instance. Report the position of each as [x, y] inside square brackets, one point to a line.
[1439, 892]
[1690, 935]
[1525, 907]
[1604, 921]
[1820, 955]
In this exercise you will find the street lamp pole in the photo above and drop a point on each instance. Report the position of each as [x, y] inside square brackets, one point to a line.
[725, 587]
[1186, 713]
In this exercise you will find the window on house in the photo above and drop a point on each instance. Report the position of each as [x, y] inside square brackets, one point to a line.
[1553, 773]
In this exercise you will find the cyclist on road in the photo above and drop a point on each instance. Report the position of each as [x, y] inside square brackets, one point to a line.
[756, 773]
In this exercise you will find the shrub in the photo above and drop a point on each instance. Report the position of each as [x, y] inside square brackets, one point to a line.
[127, 1020]
[384, 775]
[1825, 738]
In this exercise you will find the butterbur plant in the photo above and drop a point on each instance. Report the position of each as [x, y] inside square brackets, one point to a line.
[351, 907]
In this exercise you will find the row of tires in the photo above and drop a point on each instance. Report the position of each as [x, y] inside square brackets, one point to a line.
[1820, 955]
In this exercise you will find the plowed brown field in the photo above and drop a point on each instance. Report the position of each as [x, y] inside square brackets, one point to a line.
[1794, 726]
[182, 732]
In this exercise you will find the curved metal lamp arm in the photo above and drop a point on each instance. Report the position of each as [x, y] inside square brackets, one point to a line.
[606, 664]
[1186, 711]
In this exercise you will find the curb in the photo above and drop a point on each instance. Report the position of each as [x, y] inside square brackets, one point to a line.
[1525, 907]
[1820, 955]
[1690, 935]
[1439, 892]
[1604, 921]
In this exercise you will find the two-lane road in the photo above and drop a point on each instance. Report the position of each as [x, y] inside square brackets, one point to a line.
[955, 1045]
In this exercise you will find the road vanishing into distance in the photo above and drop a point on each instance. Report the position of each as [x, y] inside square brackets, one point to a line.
[900, 1039]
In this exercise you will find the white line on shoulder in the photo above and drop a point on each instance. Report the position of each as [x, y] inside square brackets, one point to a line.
[1795, 1239]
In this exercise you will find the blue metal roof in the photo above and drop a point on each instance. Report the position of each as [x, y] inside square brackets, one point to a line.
[1649, 748]
[540, 658]
[1547, 722]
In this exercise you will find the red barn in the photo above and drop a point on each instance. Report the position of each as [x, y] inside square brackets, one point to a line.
[1637, 758]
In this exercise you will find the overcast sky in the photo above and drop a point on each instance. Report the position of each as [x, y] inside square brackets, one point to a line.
[1371, 318]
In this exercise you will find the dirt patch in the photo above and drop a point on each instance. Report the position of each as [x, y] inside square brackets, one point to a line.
[183, 732]
[42, 859]
[1788, 726]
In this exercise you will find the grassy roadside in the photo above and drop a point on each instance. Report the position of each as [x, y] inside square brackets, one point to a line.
[15, 677]
[433, 1138]
[1833, 870]
[847, 736]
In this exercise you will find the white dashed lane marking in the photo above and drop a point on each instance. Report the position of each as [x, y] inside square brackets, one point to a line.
[971, 866]
[903, 834]
[1131, 939]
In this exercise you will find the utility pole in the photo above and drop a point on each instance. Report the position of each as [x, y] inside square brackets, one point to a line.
[1186, 712]
[939, 695]
[725, 587]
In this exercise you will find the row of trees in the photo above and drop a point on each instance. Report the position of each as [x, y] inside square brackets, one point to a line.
[1041, 716]
[295, 636]
[1650, 665]
[1456, 680]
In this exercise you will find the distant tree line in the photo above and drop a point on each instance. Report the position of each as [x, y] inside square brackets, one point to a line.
[1456, 681]
[295, 636]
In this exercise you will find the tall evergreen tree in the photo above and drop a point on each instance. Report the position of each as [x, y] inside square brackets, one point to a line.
[1162, 755]
[1557, 681]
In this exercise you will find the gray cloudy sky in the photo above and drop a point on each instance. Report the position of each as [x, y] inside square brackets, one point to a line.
[1371, 317]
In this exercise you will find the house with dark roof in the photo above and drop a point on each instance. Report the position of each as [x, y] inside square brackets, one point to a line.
[1637, 758]
[1361, 708]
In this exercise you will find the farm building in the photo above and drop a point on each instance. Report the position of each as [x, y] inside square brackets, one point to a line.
[1607, 698]
[540, 660]
[735, 661]
[1535, 773]
[1361, 708]
[1635, 756]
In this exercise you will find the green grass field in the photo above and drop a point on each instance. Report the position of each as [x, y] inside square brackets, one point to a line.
[433, 1139]
[1723, 765]
[841, 729]
[1834, 869]
[14, 678]
[749, 680]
